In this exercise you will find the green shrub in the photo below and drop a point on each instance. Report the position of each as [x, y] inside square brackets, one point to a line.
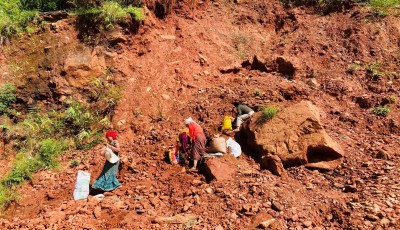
[384, 7]
[22, 171]
[13, 18]
[7, 98]
[374, 71]
[392, 100]
[257, 93]
[49, 150]
[267, 114]
[382, 111]
[75, 163]
[7, 196]
[110, 13]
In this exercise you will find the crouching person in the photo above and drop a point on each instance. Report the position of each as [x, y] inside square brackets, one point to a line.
[198, 140]
[243, 113]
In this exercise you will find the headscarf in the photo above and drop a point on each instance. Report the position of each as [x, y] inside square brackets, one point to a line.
[112, 134]
[188, 121]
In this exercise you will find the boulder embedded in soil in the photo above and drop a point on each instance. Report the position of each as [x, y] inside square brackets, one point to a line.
[296, 136]
[221, 168]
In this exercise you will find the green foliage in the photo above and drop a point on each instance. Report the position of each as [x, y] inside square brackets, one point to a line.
[7, 196]
[75, 163]
[22, 171]
[382, 111]
[110, 13]
[49, 150]
[383, 8]
[267, 114]
[14, 18]
[392, 100]
[374, 71]
[137, 13]
[43, 5]
[353, 68]
[7, 98]
[257, 93]
[104, 93]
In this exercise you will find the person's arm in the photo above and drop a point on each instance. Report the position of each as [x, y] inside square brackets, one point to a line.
[115, 148]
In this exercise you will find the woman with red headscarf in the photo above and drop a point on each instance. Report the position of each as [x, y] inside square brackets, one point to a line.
[107, 181]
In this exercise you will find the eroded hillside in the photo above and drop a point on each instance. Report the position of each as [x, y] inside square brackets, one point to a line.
[196, 62]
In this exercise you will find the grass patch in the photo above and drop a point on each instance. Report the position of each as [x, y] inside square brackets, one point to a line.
[267, 113]
[383, 8]
[110, 13]
[381, 111]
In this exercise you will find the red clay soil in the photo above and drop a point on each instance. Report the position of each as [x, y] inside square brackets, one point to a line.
[171, 70]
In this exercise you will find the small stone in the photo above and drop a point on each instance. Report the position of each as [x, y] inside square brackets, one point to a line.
[385, 222]
[307, 223]
[219, 227]
[276, 206]
[209, 190]
[186, 207]
[165, 97]
[266, 223]
[371, 217]
[97, 212]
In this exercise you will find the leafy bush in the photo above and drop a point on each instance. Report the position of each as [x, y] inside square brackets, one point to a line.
[43, 5]
[7, 97]
[392, 99]
[267, 114]
[49, 150]
[382, 111]
[384, 7]
[110, 13]
[13, 18]
[7, 195]
[22, 171]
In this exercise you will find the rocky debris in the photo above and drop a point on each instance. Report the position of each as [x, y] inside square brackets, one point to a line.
[280, 64]
[296, 136]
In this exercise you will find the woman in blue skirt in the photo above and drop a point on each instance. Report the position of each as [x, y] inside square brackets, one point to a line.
[107, 181]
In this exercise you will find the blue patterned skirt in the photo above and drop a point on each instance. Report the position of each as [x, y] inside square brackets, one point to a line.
[107, 181]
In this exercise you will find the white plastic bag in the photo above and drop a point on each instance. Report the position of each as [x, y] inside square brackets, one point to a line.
[81, 190]
[233, 147]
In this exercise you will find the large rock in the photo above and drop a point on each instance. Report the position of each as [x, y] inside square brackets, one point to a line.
[222, 168]
[296, 136]
[81, 66]
[284, 65]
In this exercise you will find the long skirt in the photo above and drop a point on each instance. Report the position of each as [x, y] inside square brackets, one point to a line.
[199, 147]
[107, 181]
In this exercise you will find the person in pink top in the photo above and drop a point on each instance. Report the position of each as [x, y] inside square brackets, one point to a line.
[198, 139]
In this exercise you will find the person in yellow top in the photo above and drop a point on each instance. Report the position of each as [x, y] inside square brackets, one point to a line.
[227, 124]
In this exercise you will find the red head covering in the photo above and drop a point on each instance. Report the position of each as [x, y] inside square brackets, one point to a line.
[112, 134]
